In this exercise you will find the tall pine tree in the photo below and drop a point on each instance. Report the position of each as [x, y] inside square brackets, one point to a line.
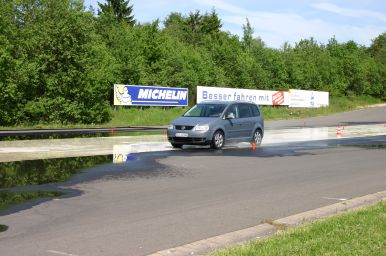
[119, 9]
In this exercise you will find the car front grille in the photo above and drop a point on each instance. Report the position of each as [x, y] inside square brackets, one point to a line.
[184, 127]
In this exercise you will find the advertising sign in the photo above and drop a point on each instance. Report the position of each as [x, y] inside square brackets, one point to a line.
[261, 97]
[134, 95]
[308, 99]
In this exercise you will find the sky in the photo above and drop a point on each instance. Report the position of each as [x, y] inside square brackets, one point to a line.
[279, 21]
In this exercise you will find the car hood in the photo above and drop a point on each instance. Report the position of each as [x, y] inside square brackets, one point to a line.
[192, 121]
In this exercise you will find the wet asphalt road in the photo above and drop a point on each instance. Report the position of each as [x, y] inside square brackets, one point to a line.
[164, 199]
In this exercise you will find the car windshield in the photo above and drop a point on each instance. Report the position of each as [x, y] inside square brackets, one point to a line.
[206, 110]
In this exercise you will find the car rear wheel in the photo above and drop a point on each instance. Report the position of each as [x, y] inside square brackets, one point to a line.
[218, 140]
[257, 137]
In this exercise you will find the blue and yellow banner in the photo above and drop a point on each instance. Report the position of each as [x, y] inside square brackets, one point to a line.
[136, 95]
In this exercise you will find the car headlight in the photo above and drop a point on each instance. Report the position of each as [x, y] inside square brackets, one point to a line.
[171, 127]
[203, 128]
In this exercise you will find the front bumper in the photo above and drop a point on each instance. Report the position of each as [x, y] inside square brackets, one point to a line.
[189, 137]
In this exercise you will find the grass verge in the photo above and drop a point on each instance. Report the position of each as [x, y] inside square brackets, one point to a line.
[135, 116]
[361, 232]
[159, 116]
[146, 116]
[337, 105]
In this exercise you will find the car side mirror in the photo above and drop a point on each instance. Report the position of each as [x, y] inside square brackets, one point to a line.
[230, 116]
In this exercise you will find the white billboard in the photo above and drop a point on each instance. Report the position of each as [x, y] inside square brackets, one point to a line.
[308, 99]
[261, 97]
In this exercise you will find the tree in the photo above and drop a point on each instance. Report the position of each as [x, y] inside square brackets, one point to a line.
[193, 26]
[378, 52]
[174, 25]
[120, 9]
[247, 35]
[9, 93]
[195, 29]
[211, 23]
[174, 20]
[378, 48]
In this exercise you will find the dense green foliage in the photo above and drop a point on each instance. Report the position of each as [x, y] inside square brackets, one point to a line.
[54, 65]
[58, 62]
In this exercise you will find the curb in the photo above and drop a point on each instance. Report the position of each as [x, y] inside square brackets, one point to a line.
[331, 210]
[206, 246]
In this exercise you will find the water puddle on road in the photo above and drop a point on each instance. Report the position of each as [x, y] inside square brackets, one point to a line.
[43, 171]
[15, 175]
[47, 168]
[30, 182]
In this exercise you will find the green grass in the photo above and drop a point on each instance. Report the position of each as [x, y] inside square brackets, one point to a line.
[360, 232]
[130, 116]
[135, 116]
[337, 105]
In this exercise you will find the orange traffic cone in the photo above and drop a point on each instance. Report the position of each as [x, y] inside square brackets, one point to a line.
[339, 131]
[253, 146]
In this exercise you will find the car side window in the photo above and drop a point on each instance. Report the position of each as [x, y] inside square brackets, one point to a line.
[244, 111]
[255, 110]
[232, 109]
[214, 111]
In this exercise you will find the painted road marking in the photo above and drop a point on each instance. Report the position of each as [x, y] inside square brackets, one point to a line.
[61, 253]
[333, 198]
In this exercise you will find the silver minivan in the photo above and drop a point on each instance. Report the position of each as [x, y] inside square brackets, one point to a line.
[216, 122]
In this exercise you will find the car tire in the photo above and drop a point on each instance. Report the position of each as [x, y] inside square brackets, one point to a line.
[218, 140]
[174, 145]
[257, 137]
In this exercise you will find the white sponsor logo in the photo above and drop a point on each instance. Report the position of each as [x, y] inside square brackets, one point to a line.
[123, 98]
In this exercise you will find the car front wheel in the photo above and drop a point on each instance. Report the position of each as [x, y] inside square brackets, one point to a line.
[218, 140]
[174, 145]
[257, 137]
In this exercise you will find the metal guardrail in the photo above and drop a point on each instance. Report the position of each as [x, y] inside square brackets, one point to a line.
[32, 132]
